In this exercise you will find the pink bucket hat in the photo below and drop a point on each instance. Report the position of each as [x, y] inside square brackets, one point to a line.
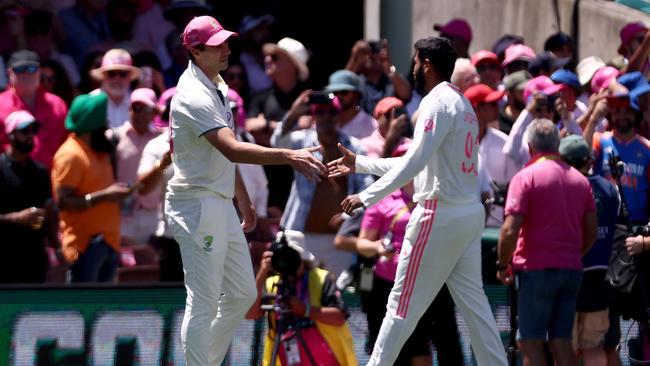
[205, 30]
[628, 32]
[603, 77]
[539, 84]
[145, 96]
[18, 120]
[116, 59]
[518, 52]
[456, 27]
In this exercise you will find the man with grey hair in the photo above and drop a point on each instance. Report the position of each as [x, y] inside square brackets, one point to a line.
[550, 223]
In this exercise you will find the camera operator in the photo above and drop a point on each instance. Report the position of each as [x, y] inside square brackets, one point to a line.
[312, 300]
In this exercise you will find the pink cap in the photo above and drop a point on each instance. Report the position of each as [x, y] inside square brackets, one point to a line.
[603, 77]
[457, 28]
[628, 32]
[158, 121]
[518, 52]
[240, 115]
[402, 148]
[539, 84]
[145, 96]
[205, 30]
[484, 55]
[385, 105]
[18, 120]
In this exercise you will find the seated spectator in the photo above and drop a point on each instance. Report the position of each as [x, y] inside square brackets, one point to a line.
[317, 306]
[488, 68]
[313, 207]
[139, 214]
[459, 32]
[514, 85]
[389, 135]
[87, 194]
[25, 93]
[464, 75]
[116, 74]
[26, 215]
[550, 224]
[54, 80]
[517, 57]
[352, 120]
[371, 60]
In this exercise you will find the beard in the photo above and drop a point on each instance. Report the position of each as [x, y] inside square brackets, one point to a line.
[24, 147]
[99, 142]
[420, 83]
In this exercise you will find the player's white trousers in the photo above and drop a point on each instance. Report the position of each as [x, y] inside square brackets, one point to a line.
[216, 261]
[442, 245]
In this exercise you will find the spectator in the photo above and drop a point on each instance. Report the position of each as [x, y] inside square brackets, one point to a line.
[87, 194]
[602, 78]
[514, 85]
[631, 35]
[12, 37]
[26, 215]
[501, 45]
[381, 236]
[93, 60]
[592, 319]
[180, 12]
[561, 45]
[235, 77]
[498, 169]
[352, 120]
[55, 80]
[546, 63]
[25, 93]
[151, 75]
[116, 74]
[178, 56]
[40, 39]
[464, 75]
[570, 91]
[517, 57]
[639, 98]
[139, 214]
[313, 208]
[151, 28]
[255, 33]
[316, 305]
[86, 25]
[380, 79]
[586, 69]
[488, 68]
[551, 221]
[459, 33]
[389, 136]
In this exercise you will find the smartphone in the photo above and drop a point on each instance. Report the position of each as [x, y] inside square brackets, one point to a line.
[321, 97]
[375, 46]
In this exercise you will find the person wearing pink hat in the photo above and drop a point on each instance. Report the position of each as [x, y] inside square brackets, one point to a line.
[459, 32]
[631, 35]
[388, 136]
[25, 215]
[488, 68]
[517, 57]
[199, 202]
[602, 78]
[116, 74]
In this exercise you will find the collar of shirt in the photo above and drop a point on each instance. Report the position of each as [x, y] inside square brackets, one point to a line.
[539, 157]
[210, 84]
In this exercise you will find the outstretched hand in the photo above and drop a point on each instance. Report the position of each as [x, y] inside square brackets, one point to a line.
[306, 164]
[342, 166]
[351, 203]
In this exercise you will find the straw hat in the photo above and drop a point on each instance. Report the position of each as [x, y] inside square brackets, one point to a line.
[116, 59]
[296, 51]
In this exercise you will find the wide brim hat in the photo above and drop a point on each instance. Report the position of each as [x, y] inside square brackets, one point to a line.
[116, 59]
[296, 52]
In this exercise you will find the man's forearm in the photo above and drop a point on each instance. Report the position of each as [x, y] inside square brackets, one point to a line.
[507, 240]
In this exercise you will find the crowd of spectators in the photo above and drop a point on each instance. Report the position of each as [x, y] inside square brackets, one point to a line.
[86, 154]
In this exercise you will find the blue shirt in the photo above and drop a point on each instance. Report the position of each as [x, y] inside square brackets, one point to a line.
[82, 34]
[635, 153]
[302, 190]
[607, 206]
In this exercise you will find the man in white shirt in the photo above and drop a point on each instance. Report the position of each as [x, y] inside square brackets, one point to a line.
[216, 261]
[442, 242]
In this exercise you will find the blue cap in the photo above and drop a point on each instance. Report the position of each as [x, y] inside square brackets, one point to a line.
[641, 88]
[250, 22]
[631, 79]
[566, 77]
[344, 80]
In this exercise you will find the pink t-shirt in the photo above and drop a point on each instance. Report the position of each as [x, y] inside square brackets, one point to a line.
[553, 198]
[379, 217]
[49, 110]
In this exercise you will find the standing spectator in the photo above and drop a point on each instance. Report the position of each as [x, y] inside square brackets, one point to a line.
[550, 223]
[116, 74]
[464, 75]
[459, 32]
[139, 213]
[93, 60]
[389, 136]
[88, 196]
[517, 57]
[632, 35]
[255, 33]
[488, 68]
[85, 25]
[151, 28]
[55, 80]
[151, 72]
[26, 218]
[352, 120]
[561, 45]
[545, 64]
[380, 79]
[313, 207]
[592, 319]
[25, 93]
[570, 91]
[514, 85]
[501, 45]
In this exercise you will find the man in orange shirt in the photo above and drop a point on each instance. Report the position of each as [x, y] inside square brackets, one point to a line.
[87, 194]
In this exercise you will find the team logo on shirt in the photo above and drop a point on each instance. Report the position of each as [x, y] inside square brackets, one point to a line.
[207, 243]
[429, 125]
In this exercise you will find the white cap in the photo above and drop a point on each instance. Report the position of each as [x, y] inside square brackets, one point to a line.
[296, 241]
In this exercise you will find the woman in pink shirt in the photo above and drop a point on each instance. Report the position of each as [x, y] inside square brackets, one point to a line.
[381, 236]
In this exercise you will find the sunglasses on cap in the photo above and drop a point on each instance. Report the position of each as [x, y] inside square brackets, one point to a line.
[139, 108]
[29, 69]
[29, 129]
[117, 73]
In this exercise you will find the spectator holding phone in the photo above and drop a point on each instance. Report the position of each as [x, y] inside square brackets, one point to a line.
[392, 125]
[352, 120]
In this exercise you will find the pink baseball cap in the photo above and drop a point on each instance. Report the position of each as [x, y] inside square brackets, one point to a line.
[539, 84]
[484, 55]
[158, 121]
[518, 52]
[205, 30]
[628, 32]
[456, 27]
[145, 96]
[18, 120]
[385, 105]
[603, 77]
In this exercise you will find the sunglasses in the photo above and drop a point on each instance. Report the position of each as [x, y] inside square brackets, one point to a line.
[117, 73]
[487, 66]
[31, 129]
[29, 69]
[139, 108]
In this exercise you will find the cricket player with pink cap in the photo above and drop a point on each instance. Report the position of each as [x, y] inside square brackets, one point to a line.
[199, 201]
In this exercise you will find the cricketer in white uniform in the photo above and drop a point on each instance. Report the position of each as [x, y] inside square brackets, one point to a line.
[442, 242]
[199, 202]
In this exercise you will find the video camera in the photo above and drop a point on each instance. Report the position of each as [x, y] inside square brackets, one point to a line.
[286, 262]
